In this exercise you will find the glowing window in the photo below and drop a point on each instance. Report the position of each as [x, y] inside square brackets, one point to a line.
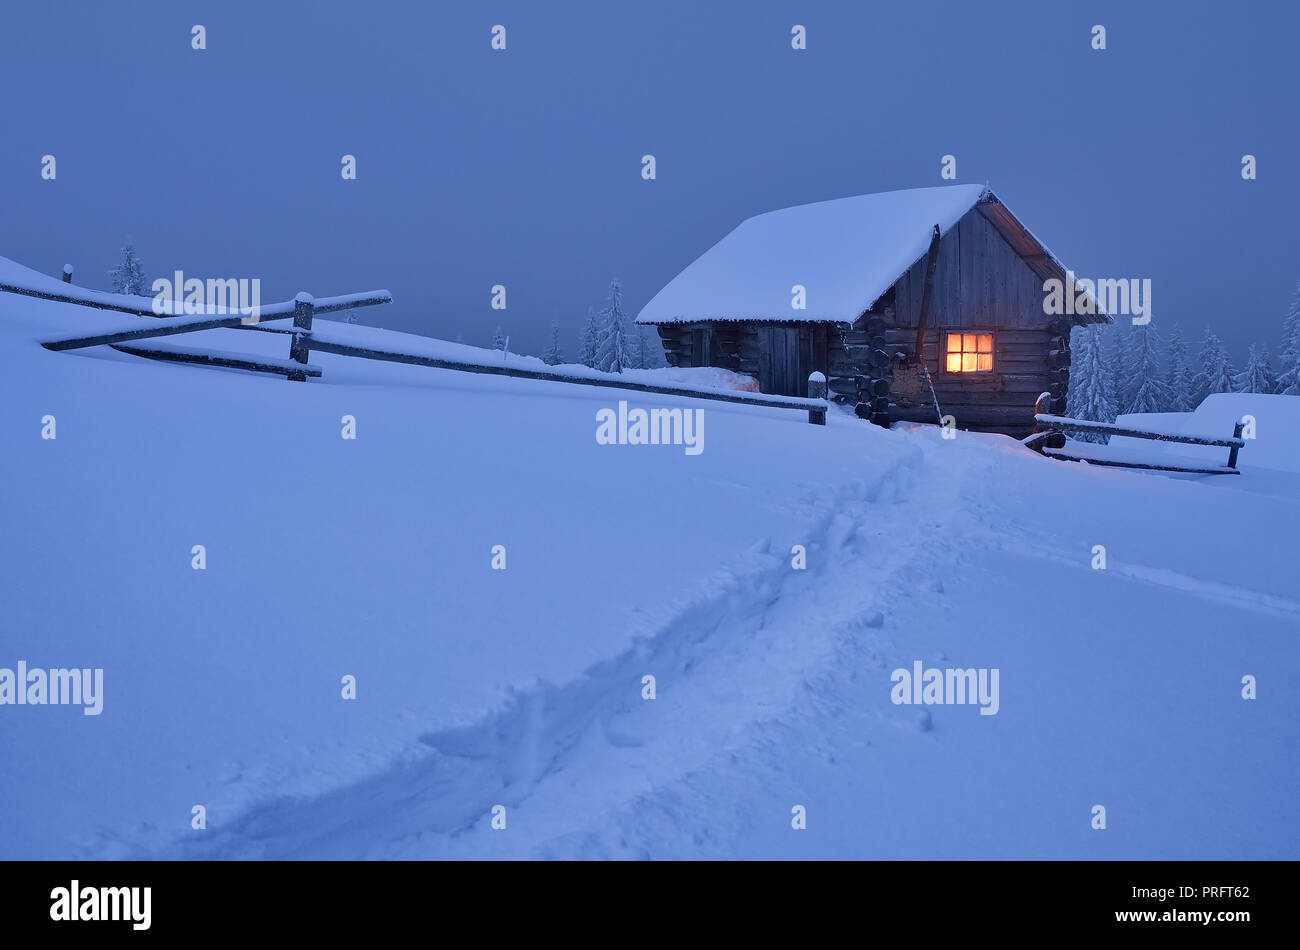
[970, 353]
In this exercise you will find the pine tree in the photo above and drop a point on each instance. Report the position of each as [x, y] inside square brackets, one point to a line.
[1257, 377]
[1089, 394]
[611, 332]
[128, 276]
[1147, 391]
[1180, 382]
[635, 349]
[651, 351]
[1111, 354]
[1288, 378]
[498, 339]
[1216, 374]
[554, 356]
[587, 346]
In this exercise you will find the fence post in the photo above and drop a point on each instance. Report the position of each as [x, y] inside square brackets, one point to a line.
[67, 273]
[817, 390]
[303, 305]
[1042, 407]
[1043, 435]
[1232, 452]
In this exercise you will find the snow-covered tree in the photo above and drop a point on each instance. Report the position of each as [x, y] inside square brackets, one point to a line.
[1146, 387]
[1257, 377]
[588, 344]
[460, 336]
[1215, 375]
[1288, 377]
[1089, 394]
[498, 339]
[1111, 354]
[652, 355]
[1180, 381]
[128, 276]
[554, 355]
[612, 353]
[635, 348]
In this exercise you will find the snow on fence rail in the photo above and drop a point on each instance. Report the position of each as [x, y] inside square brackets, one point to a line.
[815, 405]
[210, 319]
[1049, 439]
[230, 360]
[304, 338]
[144, 306]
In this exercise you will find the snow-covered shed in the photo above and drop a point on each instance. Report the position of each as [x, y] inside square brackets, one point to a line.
[839, 287]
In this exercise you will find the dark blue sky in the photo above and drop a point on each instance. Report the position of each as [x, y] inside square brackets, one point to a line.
[523, 167]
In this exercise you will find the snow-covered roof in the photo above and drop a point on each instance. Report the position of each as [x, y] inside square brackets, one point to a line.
[846, 253]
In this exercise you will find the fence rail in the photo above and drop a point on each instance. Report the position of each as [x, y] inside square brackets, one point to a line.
[213, 319]
[1106, 428]
[394, 356]
[1049, 439]
[302, 340]
[242, 361]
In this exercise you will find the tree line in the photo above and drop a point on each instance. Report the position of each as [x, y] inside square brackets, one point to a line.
[609, 341]
[1122, 369]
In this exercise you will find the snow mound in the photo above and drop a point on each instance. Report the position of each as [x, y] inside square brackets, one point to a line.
[768, 586]
[1276, 442]
[704, 377]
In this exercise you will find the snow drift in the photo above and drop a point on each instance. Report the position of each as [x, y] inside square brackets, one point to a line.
[373, 558]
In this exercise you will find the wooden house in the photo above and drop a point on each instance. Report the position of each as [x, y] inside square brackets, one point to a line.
[879, 292]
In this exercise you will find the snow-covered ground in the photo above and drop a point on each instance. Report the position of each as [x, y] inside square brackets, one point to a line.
[476, 687]
[1272, 431]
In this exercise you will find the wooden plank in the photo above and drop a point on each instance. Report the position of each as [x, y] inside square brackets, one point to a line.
[142, 310]
[390, 356]
[923, 313]
[969, 250]
[151, 330]
[262, 328]
[821, 360]
[951, 305]
[1070, 455]
[1048, 438]
[298, 346]
[1014, 417]
[218, 358]
[1021, 351]
[1040, 337]
[817, 390]
[169, 326]
[1232, 454]
[1107, 428]
[1029, 382]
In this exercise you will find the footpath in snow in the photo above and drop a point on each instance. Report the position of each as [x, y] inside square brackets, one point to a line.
[372, 557]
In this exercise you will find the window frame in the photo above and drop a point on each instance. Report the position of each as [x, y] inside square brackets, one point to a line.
[975, 374]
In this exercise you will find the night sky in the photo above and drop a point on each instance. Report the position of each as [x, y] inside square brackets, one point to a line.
[523, 167]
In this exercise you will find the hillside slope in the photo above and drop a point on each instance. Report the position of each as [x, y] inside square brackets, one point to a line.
[476, 687]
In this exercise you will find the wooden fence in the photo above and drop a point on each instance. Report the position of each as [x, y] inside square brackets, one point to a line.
[815, 405]
[303, 338]
[1049, 439]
